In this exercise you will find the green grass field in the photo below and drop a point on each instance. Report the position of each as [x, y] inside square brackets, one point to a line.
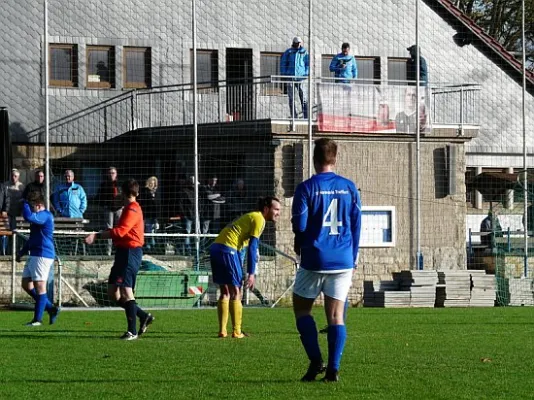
[390, 354]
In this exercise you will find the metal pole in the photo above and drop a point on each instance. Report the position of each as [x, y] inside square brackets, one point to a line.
[47, 107]
[419, 255]
[13, 266]
[525, 164]
[195, 133]
[310, 94]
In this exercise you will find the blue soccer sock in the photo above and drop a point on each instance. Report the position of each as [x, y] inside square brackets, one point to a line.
[40, 306]
[33, 294]
[337, 335]
[309, 337]
[48, 306]
[130, 309]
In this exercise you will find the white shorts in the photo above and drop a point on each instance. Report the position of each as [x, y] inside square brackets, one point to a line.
[309, 284]
[37, 268]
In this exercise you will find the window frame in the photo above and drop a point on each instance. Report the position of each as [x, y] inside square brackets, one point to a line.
[147, 83]
[398, 81]
[213, 84]
[111, 68]
[73, 82]
[271, 88]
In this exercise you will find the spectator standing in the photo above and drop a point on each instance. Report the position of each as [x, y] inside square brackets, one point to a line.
[238, 200]
[15, 188]
[187, 210]
[295, 63]
[109, 198]
[149, 201]
[4, 209]
[343, 65]
[490, 225]
[69, 199]
[36, 186]
[411, 68]
[213, 200]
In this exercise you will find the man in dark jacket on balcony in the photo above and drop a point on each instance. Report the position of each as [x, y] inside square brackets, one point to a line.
[411, 67]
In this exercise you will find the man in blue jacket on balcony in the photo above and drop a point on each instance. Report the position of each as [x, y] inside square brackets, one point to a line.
[344, 65]
[295, 62]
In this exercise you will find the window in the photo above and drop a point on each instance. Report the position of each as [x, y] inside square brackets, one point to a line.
[137, 67]
[270, 66]
[63, 65]
[397, 71]
[368, 68]
[207, 69]
[326, 59]
[100, 67]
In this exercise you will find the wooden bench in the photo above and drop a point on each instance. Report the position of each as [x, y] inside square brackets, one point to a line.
[62, 224]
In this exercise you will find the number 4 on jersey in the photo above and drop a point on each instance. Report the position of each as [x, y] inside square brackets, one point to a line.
[331, 220]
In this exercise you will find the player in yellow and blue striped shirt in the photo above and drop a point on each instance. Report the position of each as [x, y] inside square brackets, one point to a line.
[226, 268]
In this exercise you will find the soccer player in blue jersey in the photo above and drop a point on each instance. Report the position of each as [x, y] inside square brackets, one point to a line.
[326, 219]
[40, 245]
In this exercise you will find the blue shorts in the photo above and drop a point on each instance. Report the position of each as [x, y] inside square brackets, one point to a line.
[225, 265]
[125, 267]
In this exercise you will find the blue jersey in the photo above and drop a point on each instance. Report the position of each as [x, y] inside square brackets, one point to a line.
[326, 219]
[41, 241]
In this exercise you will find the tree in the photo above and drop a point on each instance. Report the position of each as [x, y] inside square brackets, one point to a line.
[501, 19]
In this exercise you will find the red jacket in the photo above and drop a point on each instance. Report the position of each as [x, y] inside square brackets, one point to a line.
[130, 231]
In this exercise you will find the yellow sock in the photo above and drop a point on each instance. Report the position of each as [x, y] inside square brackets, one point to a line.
[236, 312]
[222, 312]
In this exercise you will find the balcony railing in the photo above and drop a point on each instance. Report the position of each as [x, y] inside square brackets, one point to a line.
[355, 106]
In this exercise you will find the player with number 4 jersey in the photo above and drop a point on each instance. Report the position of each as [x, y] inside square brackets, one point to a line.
[326, 219]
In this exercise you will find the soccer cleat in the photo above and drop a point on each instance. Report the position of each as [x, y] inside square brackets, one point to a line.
[128, 336]
[144, 323]
[34, 323]
[331, 376]
[314, 369]
[240, 335]
[222, 334]
[53, 314]
[324, 330]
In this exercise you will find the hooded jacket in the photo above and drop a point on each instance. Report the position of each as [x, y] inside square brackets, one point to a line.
[295, 62]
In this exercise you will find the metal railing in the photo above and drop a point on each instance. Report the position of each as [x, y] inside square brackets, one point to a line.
[257, 98]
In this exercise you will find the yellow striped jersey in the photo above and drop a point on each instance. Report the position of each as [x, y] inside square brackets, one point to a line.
[238, 233]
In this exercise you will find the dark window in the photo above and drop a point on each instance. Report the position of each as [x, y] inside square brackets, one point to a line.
[397, 71]
[63, 65]
[270, 66]
[207, 69]
[137, 67]
[100, 67]
[369, 70]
